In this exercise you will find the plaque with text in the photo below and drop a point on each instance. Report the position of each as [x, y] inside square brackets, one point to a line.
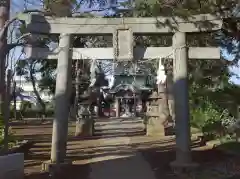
[123, 44]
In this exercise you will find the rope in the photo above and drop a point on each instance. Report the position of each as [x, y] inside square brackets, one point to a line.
[160, 59]
[94, 60]
[142, 61]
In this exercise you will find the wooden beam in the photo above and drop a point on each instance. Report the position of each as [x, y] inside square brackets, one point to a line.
[41, 24]
[140, 53]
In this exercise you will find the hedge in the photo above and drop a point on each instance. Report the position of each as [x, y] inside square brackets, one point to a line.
[32, 113]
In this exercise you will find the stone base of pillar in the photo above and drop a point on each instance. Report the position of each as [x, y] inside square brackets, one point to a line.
[84, 128]
[53, 168]
[183, 167]
[170, 130]
[155, 127]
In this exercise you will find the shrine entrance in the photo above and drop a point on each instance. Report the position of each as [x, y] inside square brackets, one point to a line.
[128, 101]
[124, 50]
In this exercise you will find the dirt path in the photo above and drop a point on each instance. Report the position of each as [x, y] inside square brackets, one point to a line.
[121, 151]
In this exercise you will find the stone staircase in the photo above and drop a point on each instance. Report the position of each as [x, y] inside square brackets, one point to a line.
[119, 127]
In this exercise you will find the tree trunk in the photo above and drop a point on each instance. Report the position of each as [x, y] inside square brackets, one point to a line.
[7, 110]
[39, 99]
[15, 101]
[4, 16]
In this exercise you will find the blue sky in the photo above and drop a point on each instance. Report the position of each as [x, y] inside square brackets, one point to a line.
[18, 6]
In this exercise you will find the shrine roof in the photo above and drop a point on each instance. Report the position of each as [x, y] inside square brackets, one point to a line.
[135, 88]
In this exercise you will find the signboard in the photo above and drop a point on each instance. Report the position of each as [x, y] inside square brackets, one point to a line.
[123, 44]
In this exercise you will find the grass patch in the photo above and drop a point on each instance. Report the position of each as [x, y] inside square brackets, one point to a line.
[195, 130]
[11, 139]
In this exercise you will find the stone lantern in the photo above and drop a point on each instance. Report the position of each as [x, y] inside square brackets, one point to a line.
[85, 121]
[156, 119]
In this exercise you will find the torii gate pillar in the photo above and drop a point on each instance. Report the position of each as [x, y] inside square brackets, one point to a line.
[62, 95]
[180, 93]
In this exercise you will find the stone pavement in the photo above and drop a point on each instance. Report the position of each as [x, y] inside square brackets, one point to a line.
[132, 165]
[133, 168]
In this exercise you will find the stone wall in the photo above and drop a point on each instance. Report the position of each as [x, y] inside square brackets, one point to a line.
[12, 166]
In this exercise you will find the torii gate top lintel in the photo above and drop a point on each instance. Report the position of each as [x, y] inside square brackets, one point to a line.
[122, 30]
[38, 23]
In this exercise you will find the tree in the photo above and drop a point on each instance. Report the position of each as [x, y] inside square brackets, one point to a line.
[29, 69]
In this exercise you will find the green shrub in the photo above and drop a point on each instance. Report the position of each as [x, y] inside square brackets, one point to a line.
[31, 113]
[1, 129]
[27, 110]
[210, 120]
[11, 139]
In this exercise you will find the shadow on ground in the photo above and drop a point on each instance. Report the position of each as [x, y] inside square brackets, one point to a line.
[157, 154]
[158, 159]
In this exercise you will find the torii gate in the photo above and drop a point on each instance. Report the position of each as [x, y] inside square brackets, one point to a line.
[122, 30]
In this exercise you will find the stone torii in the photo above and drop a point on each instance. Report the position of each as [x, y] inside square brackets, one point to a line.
[122, 30]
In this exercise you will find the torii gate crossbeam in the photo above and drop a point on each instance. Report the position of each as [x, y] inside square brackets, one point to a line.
[45, 25]
[107, 53]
